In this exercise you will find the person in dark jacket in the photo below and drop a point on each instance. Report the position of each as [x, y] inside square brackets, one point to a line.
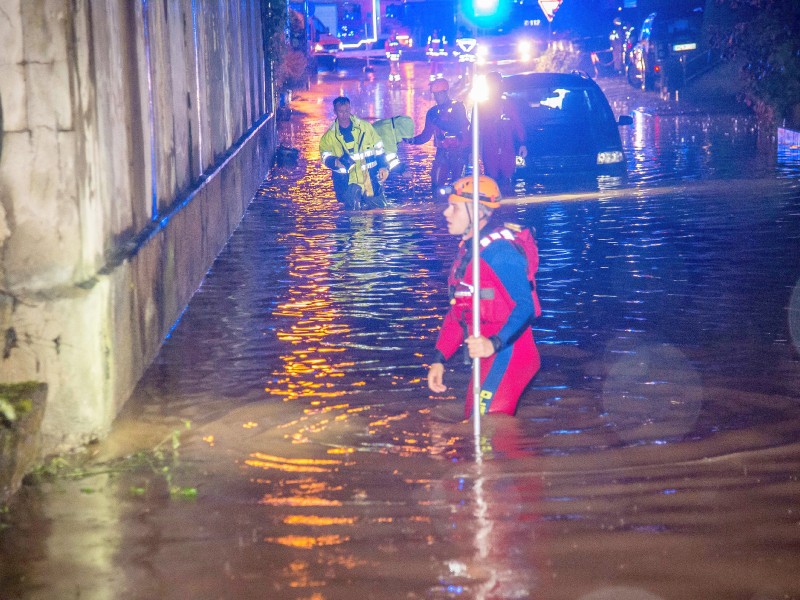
[447, 124]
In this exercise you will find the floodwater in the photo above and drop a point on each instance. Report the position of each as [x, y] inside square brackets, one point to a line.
[655, 456]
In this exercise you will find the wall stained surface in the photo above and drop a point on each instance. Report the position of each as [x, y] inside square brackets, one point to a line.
[134, 135]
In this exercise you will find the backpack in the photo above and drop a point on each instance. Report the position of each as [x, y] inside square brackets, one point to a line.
[524, 241]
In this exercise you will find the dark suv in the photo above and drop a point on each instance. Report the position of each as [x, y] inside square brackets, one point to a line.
[569, 126]
[666, 43]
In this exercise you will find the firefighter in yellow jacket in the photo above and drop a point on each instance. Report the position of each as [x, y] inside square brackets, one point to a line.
[354, 153]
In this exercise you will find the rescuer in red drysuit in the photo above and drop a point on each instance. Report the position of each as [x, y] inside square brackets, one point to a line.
[436, 51]
[508, 305]
[447, 124]
[393, 51]
[502, 136]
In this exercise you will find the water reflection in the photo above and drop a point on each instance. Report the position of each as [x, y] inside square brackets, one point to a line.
[658, 436]
[664, 330]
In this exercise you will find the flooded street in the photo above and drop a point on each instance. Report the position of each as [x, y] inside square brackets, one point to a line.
[654, 457]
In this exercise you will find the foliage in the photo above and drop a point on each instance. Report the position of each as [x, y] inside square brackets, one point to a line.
[556, 61]
[161, 461]
[765, 35]
[279, 27]
[15, 401]
[7, 412]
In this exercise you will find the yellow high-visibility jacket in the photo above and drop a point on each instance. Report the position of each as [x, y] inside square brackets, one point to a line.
[393, 131]
[366, 150]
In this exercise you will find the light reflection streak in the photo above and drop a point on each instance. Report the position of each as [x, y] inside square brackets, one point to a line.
[317, 319]
[297, 572]
[308, 501]
[318, 521]
[290, 465]
[308, 542]
[754, 189]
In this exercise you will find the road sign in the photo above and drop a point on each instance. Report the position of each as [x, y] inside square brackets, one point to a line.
[550, 7]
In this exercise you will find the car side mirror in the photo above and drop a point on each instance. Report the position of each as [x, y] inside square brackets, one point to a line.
[625, 120]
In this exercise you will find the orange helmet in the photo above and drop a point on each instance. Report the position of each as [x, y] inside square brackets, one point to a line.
[439, 85]
[488, 192]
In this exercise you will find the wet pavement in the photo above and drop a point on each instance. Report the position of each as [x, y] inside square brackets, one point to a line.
[655, 456]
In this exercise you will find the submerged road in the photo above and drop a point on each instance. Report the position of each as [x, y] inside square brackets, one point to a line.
[655, 456]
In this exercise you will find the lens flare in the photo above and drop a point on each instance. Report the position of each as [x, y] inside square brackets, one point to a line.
[652, 392]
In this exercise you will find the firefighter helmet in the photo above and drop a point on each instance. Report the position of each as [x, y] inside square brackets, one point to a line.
[488, 192]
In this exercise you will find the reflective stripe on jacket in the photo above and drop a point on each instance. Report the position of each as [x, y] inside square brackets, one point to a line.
[392, 131]
[366, 150]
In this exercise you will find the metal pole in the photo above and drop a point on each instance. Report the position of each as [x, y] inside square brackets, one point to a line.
[476, 276]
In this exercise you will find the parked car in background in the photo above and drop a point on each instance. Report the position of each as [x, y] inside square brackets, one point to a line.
[666, 42]
[325, 50]
[517, 47]
[569, 125]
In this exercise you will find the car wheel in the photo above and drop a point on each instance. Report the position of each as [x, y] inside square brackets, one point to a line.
[629, 73]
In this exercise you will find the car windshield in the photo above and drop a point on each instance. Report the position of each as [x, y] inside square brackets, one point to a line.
[564, 117]
[554, 104]
[678, 29]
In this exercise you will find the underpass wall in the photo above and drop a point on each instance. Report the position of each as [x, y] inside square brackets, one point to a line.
[133, 135]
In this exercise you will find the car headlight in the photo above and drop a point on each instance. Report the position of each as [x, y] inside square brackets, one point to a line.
[609, 158]
[317, 47]
[524, 49]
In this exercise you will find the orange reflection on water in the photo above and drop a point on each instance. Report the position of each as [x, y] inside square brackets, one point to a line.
[341, 450]
[323, 409]
[317, 521]
[419, 519]
[312, 486]
[298, 571]
[315, 319]
[385, 421]
[290, 465]
[296, 501]
[308, 542]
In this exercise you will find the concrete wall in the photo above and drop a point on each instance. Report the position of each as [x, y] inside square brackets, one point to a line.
[134, 135]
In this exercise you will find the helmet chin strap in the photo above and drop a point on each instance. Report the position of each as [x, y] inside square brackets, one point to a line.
[471, 225]
[468, 232]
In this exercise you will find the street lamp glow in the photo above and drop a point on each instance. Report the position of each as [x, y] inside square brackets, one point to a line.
[479, 91]
[524, 50]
